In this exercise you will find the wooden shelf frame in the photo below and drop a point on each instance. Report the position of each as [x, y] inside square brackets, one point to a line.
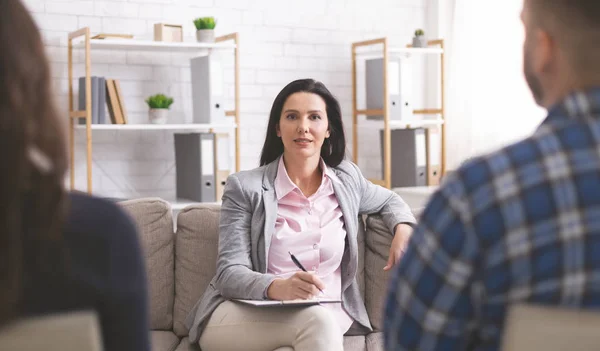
[81, 39]
[358, 50]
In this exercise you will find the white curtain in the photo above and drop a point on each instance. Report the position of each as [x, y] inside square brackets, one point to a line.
[488, 102]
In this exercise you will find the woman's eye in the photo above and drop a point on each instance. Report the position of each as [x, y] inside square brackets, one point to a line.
[315, 117]
[292, 116]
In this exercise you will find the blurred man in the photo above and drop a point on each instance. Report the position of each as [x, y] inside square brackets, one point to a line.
[521, 225]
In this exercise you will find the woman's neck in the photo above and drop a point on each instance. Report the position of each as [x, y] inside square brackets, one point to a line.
[305, 173]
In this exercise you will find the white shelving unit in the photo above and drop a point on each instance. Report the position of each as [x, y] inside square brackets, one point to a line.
[81, 39]
[370, 52]
[147, 45]
[186, 127]
[379, 48]
[416, 123]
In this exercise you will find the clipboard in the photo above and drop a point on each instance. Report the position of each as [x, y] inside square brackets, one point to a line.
[286, 303]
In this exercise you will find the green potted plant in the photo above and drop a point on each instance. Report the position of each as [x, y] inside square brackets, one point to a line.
[205, 29]
[159, 108]
[419, 41]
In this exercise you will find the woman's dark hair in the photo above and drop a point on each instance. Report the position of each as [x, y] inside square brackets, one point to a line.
[334, 148]
[33, 154]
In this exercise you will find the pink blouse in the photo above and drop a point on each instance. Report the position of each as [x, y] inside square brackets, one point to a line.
[313, 230]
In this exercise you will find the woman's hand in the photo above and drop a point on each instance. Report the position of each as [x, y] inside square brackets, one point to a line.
[302, 285]
[399, 244]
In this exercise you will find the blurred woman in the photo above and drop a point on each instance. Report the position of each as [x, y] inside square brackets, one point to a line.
[59, 252]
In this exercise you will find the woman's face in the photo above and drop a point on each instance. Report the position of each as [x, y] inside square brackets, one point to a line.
[303, 125]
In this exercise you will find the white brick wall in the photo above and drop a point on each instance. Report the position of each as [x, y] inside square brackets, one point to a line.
[281, 40]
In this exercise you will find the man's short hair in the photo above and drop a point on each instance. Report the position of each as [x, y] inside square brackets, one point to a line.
[567, 15]
[575, 25]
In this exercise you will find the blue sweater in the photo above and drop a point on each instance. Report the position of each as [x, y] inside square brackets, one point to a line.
[98, 266]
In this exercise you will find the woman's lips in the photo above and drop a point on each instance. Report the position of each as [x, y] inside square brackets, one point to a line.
[302, 142]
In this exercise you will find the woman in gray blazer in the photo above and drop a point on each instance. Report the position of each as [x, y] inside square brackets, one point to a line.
[306, 199]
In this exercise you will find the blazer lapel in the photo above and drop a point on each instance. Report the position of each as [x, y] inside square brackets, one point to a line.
[270, 206]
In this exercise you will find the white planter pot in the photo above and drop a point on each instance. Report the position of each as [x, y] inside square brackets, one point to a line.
[158, 115]
[205, 35]
[419, 42]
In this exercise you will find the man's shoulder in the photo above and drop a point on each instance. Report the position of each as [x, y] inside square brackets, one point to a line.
[531, 156]
[504, 163]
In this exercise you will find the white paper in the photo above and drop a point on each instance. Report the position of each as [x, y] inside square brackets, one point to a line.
[288, 302]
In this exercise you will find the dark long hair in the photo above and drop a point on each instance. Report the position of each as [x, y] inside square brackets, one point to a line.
[33, 155]
[333, 150]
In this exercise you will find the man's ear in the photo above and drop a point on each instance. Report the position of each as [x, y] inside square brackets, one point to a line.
[545, 52]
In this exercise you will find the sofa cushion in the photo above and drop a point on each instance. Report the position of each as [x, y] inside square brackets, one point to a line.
[163, 340]
[378, 241]
[196, 245]
[154, 220]
[375, 342]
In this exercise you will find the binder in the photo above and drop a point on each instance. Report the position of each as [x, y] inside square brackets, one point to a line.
[409, 157]
[101, 100]
[434, 150]
[208, 90]
[195, 166]
[399, 87]
[221, 163]
[221, 181]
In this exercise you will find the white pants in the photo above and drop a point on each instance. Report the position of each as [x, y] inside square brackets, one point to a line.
[235, 326]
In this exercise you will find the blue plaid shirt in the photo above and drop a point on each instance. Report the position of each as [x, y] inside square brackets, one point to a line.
[519, 225]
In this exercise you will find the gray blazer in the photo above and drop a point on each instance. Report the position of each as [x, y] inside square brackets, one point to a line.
[248, 216]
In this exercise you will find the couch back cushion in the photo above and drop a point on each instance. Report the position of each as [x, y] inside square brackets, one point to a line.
[196, 246]
[154, 220]
[378, 241]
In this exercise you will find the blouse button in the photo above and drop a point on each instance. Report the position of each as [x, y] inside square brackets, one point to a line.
[315, 246]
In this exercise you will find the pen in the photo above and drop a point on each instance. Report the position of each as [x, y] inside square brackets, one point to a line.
[299, 265]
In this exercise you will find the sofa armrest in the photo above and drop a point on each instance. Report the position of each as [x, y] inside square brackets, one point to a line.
[378, 240]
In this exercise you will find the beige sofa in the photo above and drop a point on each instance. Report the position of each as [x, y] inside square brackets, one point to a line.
[181, 260]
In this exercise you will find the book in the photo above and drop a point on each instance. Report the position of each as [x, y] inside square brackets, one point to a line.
[114, 107]
[121, 100]
[95, 98]
[275, 303]
[101, 100]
